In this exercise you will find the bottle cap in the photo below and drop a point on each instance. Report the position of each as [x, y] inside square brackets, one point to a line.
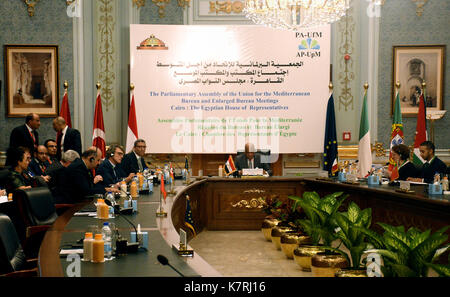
[88, 235]
[98, 237]
[105, 224]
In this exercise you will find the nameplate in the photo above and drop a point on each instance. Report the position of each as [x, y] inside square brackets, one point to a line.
[252, 172]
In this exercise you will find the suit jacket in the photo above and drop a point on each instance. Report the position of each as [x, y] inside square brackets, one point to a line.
[129, 163]
[20, 136]
[407, 170]
[36, 168]
[79, 182]
[106, 170]
[241, 162]
[427, 172]
[72, 141]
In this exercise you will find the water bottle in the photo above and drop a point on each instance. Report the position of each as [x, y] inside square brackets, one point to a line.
[106, 235]
[110, 198]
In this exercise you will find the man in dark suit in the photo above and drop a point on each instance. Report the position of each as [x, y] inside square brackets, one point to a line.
[52, 150]
[67, 138]
[111, 169]
[251, 159]
[39, 162]
[26, 135]
[134, 162]
[79, 182]
[432, 163]
[57, 172]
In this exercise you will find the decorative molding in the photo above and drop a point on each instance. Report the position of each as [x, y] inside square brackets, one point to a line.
[419, 6]
[30, 6]
[346, 29]
[162, 5]
[138, 3]
[254, 203]
[106, 53]
[226, 7]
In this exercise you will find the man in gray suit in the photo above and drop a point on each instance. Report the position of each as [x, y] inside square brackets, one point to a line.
[251, 159]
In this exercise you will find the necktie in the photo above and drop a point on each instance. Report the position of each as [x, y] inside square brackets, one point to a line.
[250, 164]
[140, 164]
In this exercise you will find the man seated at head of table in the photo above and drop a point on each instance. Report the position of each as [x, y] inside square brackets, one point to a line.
[406, 169]
[79, 183]
[432, 165]
[250, 160]
[111, 168]
[134, 162]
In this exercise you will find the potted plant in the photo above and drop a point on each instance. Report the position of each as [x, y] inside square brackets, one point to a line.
[318, 224]
[348, 224]
[272, 208]
[410, 253]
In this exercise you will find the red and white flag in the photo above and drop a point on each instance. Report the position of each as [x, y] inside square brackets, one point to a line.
[65, 111]
[132, 132]
[162, 188]
[98, 136]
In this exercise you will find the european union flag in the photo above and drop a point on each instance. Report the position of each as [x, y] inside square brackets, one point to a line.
[188, 221]
[186, 163]
[330, 146]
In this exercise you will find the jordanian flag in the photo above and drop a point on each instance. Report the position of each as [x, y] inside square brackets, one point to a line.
[364, 150]
[396, 136]
[330, 150]
[421, 130]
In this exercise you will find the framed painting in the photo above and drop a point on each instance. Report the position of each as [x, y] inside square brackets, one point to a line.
[412, 66]
[31, 73]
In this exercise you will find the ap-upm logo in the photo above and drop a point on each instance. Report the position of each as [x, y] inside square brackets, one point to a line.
[309, 48]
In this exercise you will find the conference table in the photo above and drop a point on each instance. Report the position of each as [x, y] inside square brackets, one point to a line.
[220, 203]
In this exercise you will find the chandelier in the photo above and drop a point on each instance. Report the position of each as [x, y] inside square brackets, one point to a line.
[295, 14]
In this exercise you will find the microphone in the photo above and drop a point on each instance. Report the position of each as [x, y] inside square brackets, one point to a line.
[164, 261]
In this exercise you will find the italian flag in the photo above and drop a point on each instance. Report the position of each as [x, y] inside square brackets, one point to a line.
[364, 150]
[396, 136]
[421, 130]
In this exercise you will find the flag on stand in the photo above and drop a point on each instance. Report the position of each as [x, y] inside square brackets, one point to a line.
[186, 163]
[421, 130]
[98, 137]
[364, 149]
[396, 136]
[172, 177]
[330, 150]
[188, 221]
[163, 190]
[229, 166]
[132, 132]
[65, 111]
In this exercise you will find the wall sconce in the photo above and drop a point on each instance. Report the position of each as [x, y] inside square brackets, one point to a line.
[30, 6]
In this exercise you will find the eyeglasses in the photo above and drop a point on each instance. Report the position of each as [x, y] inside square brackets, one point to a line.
[51, 145]
[41, 153]
[141, 146]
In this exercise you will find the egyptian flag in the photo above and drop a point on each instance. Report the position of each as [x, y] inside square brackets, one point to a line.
[65, 111]
[330, 150]
[172, 177]
[163, 190]
[229, 166]
[421, 130]
[396, 136]
[188, 221]
[132, 132]
[98, 137]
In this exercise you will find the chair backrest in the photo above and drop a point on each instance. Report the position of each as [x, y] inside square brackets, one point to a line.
[4, 173]
[12, 257]
[36, 206]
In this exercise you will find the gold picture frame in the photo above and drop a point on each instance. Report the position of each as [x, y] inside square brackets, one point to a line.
[32, 81]
[413, 65]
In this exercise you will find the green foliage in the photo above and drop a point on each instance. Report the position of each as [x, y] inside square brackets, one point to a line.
[319, 213]
[349, 233]
[410, 253]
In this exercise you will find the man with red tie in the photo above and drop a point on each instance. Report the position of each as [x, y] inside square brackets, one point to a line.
[26, 135]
